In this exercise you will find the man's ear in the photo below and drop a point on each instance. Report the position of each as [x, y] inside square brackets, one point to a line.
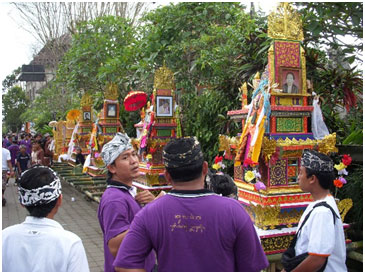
[59, 201]
[205, 168]
[111, 168]
[313, 179]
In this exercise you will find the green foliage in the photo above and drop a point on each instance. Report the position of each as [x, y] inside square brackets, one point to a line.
[52, 103]
[102, 50]
[207, 118]
[327, 23]
[10, 80]
[14, 103]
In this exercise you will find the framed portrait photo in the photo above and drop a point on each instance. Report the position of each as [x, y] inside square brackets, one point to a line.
[87, 115]
[291, 80]
[111, 110]
[164, 106]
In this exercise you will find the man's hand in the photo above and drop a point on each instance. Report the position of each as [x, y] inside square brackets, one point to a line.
[144, 197]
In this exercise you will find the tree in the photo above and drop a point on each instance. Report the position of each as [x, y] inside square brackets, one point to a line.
[15, 102]
[10, 80]
[51, 23]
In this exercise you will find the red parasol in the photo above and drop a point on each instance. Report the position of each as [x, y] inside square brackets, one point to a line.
[135, 100]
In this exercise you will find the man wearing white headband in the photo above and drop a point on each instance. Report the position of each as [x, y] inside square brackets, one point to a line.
[40, 244]
[120, 203]
[320, 238]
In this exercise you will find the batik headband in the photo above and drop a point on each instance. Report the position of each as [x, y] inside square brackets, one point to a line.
[111, 150]
[42, 195]
[173, 158]
[311, 160]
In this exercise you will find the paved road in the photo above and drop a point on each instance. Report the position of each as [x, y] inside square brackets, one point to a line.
[79, 216]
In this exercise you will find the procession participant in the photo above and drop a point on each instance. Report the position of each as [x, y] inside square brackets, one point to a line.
[80, 158]
[321, 235]
[6, 167]
[191, 228]
[48, 154]
[40, 244]
[37, 154]
[120, 203]
[22, 160]
[221, 183]
[14, 150]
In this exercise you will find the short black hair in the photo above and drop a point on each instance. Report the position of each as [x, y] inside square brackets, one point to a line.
[224, 184]
[34, 178]
[186, 173]
[292, 74]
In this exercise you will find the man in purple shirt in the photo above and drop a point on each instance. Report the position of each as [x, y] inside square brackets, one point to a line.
[120, 203]
[27, 142]
[191, 228]
[14, 150]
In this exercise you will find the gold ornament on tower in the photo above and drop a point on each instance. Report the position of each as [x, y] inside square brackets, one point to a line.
[86, 100]
[164, 79]
[111, 92]
[285, 23]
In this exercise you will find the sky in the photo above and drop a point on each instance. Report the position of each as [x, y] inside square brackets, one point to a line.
[17, 46]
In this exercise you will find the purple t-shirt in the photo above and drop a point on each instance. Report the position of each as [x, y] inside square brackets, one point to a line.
[116, 211]
[27, 144]
[14, 150]
[193, 231]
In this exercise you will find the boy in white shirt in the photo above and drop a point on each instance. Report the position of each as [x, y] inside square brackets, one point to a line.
[40, 244]
[322, 235]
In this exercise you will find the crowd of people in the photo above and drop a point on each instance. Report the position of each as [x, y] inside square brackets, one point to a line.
[198, 226]
[23, 150]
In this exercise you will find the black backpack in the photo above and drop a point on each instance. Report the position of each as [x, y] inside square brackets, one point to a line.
[289, 260]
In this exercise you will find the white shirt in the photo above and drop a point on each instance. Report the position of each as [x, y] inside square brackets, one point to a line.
[42, 245]
[321, 237]
[6, 157]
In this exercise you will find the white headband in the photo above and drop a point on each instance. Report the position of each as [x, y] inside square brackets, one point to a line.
[41, 195]
[111, 150]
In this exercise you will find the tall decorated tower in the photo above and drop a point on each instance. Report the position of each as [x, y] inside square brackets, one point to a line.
[274, 134]
[158, 128]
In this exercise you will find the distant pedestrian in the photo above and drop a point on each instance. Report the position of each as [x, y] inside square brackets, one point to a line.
[120, 203]
[191, 228]
[48, 154]
[37, 154]
[14, 150]
[40, 244]
[27, 142]
[6, 159]
[80, 158]
[22, 160]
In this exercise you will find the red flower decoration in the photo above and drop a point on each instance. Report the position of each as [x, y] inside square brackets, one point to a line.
[153, 150]
[249, 162]
[338, 183]
[218, 159]
[346, 160]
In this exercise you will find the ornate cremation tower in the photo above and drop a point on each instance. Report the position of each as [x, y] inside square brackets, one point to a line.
[158, 128]
[274, 134]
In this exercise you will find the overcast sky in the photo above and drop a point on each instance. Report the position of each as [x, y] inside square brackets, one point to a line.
[17, 45]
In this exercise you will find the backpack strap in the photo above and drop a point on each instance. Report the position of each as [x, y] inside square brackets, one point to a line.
[307, 217]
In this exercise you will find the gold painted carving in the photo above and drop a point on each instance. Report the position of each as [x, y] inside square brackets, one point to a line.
[164, 79]
[268, 148]
[111, 92]
[86, 100]
[343, 207]
[265, 216]
[304, 70]
[285, 23]
[328, 144]
[280, 243]
[271, 63]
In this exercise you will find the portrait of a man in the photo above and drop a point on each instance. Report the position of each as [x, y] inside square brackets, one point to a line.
[290, 85]
[164, 106]
[112, 110]
[87, 116]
